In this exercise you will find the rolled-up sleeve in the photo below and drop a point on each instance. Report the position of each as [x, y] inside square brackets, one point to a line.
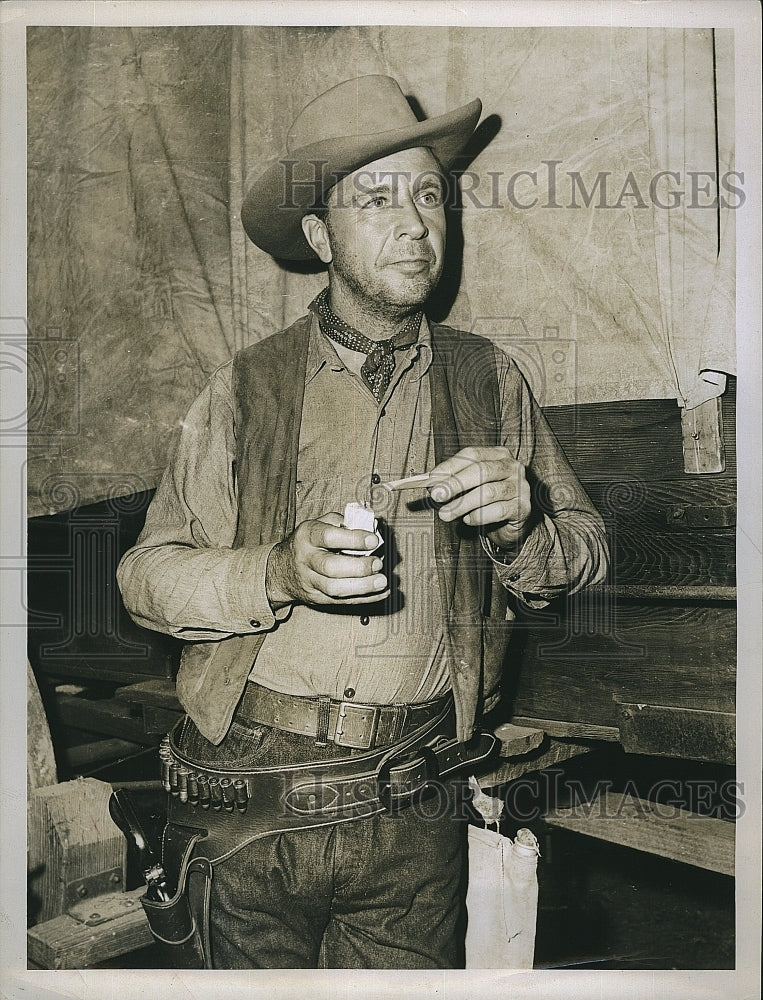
[566, 548]
[182, 576]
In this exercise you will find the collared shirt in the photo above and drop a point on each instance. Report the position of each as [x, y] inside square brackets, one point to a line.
[391, 650]
[184, 578]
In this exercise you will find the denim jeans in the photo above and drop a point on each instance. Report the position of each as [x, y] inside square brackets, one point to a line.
[382, 892]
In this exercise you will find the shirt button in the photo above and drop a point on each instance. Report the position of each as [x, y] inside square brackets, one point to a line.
[376, 479]
[364, 619]
[514, 577]
[349, 692]
[254, 623]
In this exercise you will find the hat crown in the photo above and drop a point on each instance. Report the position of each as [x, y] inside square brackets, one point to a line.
[364, 106]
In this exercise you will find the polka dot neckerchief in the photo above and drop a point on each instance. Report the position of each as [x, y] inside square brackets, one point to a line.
[379, 366]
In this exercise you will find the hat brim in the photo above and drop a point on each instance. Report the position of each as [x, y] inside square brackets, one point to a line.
[275, 204]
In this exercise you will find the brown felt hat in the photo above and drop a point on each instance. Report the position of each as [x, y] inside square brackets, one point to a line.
[352, 124]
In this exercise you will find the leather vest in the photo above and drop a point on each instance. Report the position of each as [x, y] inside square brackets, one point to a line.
[268, 386]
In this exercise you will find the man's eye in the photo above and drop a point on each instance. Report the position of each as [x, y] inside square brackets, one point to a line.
[429, 198]
[378, 201]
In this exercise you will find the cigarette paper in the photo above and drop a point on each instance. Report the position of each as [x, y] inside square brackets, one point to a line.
[411, 483]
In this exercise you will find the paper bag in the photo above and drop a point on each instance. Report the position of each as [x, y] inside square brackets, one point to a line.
[502, 899]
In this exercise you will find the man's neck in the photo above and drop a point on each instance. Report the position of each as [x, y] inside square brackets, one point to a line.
[376, 323]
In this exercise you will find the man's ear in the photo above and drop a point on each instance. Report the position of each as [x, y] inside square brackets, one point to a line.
[317, 236]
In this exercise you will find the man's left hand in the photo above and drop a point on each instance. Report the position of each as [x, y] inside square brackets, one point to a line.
[487, 488]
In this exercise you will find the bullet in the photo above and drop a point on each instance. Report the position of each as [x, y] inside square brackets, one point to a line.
[204, 791]
[241, 794]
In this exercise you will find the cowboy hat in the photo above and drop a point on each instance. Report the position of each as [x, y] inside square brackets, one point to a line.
[352, 124]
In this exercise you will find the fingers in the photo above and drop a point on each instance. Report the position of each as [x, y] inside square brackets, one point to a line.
[339, 566]
[472, 467]
[340, 577]
[318, 572]
[484, 487]
[358, 590]
[330, 535]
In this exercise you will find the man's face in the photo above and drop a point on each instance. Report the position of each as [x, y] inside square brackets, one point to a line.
[386, 231]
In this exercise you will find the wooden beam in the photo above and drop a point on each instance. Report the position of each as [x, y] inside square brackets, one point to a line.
[41, 760]
[118, 926]
[678, 731]
[159, 693]
[549, 753]
[702, 438]
[569, 729]
[518, 740]
[653, 827]
[117, 719]
[672, 592]
[87, 755]
[74, 849]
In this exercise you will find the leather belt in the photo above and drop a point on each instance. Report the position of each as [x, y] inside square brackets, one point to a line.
[346, 723]
[235, 806]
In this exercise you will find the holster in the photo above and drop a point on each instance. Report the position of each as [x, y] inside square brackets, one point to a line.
[180, 926]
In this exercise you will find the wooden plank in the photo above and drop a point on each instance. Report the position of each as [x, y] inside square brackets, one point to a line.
[668, 534]
[549, 753]
[41, 760]
[109, 716]
[518, 740]
[637, 439]
[571, 669]
[674, 505]
[676, 731]
[676, 593]
[633, 439]
[653, 827]
[80, 758]
[72, 839]
[702, 437]
[87, 669]
[703, 560]
[159, 692]
[570, 730]
[67, 943]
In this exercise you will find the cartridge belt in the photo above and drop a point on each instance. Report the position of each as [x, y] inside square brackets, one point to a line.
[235, 806]
[346, 723]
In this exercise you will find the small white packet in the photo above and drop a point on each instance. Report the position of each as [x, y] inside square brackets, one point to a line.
[357, 515]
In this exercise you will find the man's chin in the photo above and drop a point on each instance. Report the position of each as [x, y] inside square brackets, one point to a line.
[410, 291]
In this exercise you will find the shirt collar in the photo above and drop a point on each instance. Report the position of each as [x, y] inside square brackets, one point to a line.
[320, 352]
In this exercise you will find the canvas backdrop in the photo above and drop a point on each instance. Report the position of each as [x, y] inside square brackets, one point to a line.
[142, 142]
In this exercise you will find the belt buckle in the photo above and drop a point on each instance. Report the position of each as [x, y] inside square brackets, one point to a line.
[346, 739]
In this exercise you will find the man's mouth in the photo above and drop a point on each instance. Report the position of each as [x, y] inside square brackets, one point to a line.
[410, 264]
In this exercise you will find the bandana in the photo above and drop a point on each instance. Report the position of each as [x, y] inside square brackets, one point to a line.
[379, 367]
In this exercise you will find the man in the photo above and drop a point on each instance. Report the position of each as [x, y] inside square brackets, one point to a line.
[328, 680]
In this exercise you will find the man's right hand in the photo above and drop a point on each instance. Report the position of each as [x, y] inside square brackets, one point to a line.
[309, 567]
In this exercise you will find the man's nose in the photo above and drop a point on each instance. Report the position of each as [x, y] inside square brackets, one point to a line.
[409, 221]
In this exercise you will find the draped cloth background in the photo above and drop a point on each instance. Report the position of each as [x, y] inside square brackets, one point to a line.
[142, 141]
